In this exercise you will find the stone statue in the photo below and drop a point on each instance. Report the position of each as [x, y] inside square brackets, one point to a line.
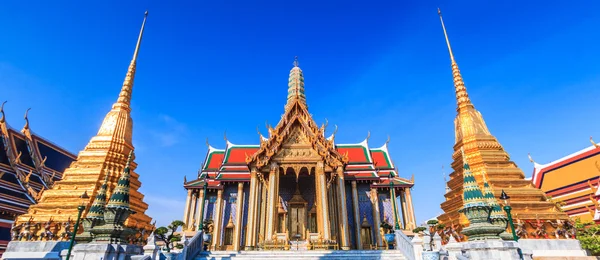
[67, 233]
[47, 233]
[26, 232]
[521, 230]
[15, 231]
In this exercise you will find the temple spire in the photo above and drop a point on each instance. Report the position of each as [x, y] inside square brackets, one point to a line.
[462, 98]
[97, 209]
[296, 85]
[120, 196]
[124, 100]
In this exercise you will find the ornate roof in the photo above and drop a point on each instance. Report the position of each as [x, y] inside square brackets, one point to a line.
[297, 127]
[29, 164]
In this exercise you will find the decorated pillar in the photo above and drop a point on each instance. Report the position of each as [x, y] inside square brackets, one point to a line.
[252, 204]
[356, 210]
[404, 209]
[193, 211]
[201, 197]
[376, 217]
[343, 212]
[411, 212]
[186, 212]
[262, 212]
[239, 208]
[218, 221]
[322, 210]
[271, 201]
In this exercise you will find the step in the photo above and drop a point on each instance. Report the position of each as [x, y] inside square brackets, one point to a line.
[312, 254]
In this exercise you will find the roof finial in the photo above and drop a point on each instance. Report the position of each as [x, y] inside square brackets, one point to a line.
[296, 64]
[3, 118]
[207, 144]
[125, 95]
[388, 140]
[462, 98]
[26, 127]
[594, 143]
[530, 159]
[225, 136]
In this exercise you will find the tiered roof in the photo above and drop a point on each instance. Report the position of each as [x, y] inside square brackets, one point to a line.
[571, 179]
[29, 164]
[364, 163]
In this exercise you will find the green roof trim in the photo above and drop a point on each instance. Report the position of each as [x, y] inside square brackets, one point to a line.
[208, 160]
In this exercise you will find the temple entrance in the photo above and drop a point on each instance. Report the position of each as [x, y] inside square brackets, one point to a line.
[298, 217]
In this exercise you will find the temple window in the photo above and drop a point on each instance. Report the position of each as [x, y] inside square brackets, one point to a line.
[228, 236]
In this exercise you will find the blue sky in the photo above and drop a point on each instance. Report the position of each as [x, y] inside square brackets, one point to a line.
[207, 67]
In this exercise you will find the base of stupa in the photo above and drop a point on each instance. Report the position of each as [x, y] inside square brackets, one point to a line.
[95, 251]
[35, 250]
[552, 247]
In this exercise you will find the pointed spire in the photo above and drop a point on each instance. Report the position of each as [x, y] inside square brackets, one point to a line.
[124, 100]
[296, 85]
[488, 194]
[472, 196]
[97, 209]
[462, 98]
[120, 196]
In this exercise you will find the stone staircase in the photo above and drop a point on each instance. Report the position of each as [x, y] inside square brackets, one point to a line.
[302, 255]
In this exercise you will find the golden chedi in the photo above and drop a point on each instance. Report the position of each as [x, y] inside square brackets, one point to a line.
[104, 157]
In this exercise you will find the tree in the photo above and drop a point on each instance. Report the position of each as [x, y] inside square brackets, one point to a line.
[589, 235]
[167, 234]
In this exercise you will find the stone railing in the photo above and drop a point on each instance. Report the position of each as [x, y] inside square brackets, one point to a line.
[404, 244]
[193, 247]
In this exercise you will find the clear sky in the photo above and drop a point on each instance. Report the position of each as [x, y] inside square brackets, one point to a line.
[205, 67]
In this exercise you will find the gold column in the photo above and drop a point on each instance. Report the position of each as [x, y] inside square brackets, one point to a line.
[216, 243]
[194, 211]
[342, 211]
[356, 210]
[271, 201]
[376, 217]
[200, 198]
[186, 212]
[262, 210]
[411, 211]
[239, 208]
[322, 194]
[404, 210]
[251, 226]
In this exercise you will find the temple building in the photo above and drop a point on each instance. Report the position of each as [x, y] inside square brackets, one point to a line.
[488, 158]
[103, 158]
[29, 164]
[298, 186]
[572, 182]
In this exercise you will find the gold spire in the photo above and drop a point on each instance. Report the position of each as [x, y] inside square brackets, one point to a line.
[462, 98]
[296, 85]
[124, 100]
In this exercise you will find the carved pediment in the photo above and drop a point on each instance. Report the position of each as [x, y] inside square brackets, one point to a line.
[296, 136]
[297, 154]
